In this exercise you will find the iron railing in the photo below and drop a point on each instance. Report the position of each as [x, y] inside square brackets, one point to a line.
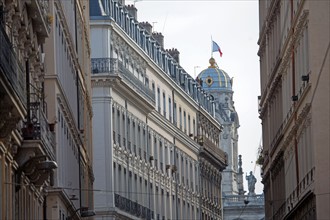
[212, 148]
[115, 67]
[36, 127]
[11, 67]
[132, 207]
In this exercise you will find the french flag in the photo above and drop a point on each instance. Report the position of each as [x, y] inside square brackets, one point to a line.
[215, 48]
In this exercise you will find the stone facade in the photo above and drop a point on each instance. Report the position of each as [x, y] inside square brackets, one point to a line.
[156, 140]
[38, 118]
[236, 204]
[294, 108]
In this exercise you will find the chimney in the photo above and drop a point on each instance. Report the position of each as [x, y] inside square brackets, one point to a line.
[147, 26]
[132, 10]
[175, 54]
[159, 38]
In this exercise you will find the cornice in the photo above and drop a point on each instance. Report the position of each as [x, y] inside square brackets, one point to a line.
[174, 131]
[104, 80]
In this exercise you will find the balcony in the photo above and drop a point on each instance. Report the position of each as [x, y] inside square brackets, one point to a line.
[209, 147]
[37, 132]
[114, 67]
[10, 69]
[132, 207]
[39, 11]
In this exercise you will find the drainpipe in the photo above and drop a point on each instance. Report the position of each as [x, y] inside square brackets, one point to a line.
[176, 181]
[294, 104]
[45, 207]
[78, 104]
[175, 160]
[27, 73]
[149, 163]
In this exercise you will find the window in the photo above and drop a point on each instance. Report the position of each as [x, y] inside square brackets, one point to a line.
[182, 170]
[194, 127]
[184, 122]
[153, 87]
[164, 104]
[180, 118]
[174, 114]
[161, 155]
[158, 98]
[189, 126]
[147, 82]
[169, 109]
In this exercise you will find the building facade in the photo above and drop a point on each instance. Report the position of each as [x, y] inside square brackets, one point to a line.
[236, 204]
[156, 140]
[294, 108]
[27, 155]
[42, 129]
[67, 88]
[218, 84]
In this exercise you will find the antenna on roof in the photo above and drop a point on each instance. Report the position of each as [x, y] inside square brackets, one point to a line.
[153, 25]
[136, 1]
[165, 23]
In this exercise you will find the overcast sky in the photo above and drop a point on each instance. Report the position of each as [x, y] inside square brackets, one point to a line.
[189, 25]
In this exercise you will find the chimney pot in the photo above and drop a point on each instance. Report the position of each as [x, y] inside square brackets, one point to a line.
[132, 10]
[159, 38]
[175, 54]
[147, 26]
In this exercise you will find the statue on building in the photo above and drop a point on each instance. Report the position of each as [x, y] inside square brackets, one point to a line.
[251, 183]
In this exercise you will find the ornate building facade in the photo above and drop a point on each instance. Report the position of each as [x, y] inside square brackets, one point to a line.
[236, 204]
[157, 153]
[294, 108]
[45, 134]
[217, 83]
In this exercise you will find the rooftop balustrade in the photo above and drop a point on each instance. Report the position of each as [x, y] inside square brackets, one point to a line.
[115, 67]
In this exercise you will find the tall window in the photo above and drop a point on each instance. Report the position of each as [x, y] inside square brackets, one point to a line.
[194, 127]
[164, 104]
[158, 98]
[147, 82]
[180, 117]
[153, 87]
[161, 156]
[189, 126]
[174, 114]
[184, 122]
[169, 109]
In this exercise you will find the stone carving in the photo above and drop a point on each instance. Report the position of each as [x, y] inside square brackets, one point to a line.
[251, 183]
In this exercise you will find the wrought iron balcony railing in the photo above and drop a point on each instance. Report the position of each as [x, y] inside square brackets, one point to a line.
[115, 67]
[37, 128]
[132, 207]
[212, 148]
[11, 67]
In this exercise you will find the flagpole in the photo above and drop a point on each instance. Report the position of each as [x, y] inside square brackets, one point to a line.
[211, 47]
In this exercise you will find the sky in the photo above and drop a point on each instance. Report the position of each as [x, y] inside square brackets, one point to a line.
[234, 25]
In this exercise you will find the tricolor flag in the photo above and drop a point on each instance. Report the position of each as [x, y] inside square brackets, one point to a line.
[215, 48]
